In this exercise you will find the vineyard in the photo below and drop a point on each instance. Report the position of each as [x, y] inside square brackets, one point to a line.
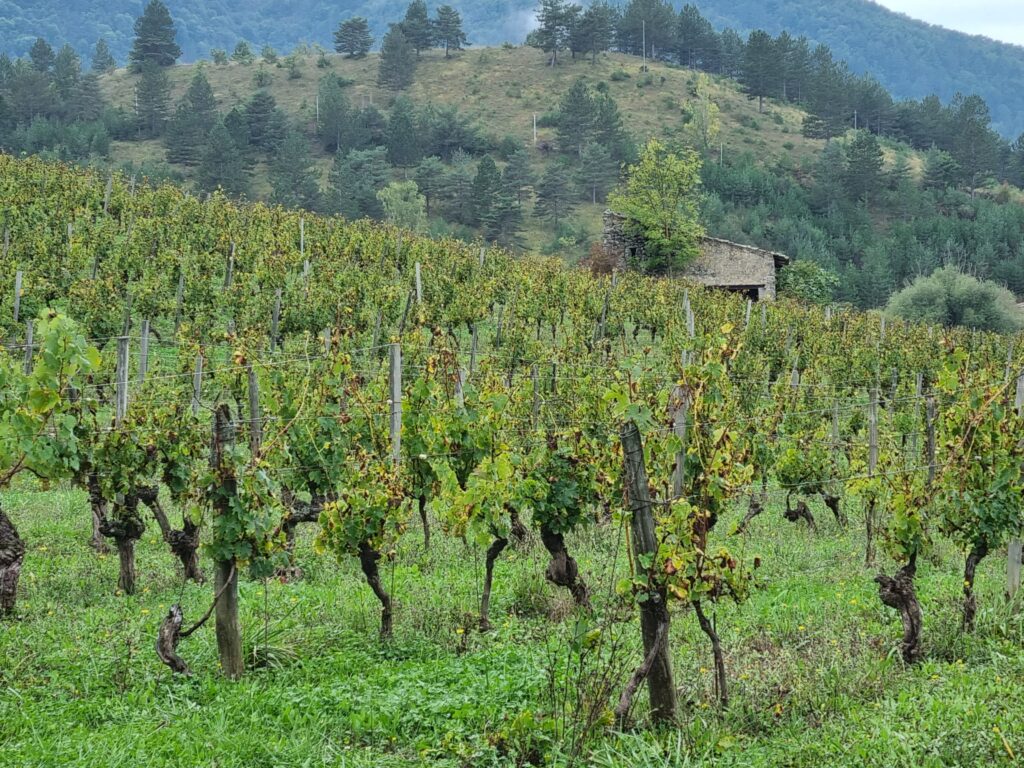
[282, 489]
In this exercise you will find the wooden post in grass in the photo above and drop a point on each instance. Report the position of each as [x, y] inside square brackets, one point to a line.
[144, 352]
[121, 404]
[179, 300]
[535, 410]
[680, 404]
[473, 342]
[197, 384]
[869, 517]
[255, 421]
[225, 587]
[29, 326]
[1013, 554]
[18, 277]
[654, 616]
[107, 192]
[275, 320]
[419, 284]
[395, 401]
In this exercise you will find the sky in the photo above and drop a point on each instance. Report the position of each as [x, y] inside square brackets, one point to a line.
[998, 19]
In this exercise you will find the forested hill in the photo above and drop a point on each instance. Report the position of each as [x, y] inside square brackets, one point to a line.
[911, 58]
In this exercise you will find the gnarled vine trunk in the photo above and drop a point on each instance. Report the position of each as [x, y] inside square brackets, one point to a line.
[496, 548]
[898, 592]
[716, 649]
[12, 554]
[834, 503]
[98, 507]
[368, 559]
[125, 528]
[975, 556]
[563, 570]
[184, 543]
[800, 512]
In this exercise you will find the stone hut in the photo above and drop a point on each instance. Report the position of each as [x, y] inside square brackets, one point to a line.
[722, 264]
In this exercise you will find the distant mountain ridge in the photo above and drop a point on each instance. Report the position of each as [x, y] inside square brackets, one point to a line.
[911, 58]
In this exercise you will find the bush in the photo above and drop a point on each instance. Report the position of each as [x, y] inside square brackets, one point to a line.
[949, 297]
[806, 281]
[619, 75]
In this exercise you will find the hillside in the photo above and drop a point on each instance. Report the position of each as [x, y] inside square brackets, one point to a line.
[911, 58]
[500, 90]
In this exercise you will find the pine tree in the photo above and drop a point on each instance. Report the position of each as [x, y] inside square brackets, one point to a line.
[353, 38]
[402, 137]
[430, 178]
[459, 189]
[863, 166]
[486, 185]
[41, 55]
[595, 31]
[152, 99]
[598, 172]
[576, 117]
[336, 117]
[941, 170]
[67, 68]
[448, 30]
[354, 181]
[609, 130]
[503, 223]
[87, 103]
[243, 53]
[554, 195]
[654, 20]
[193, 119]
[517, 177]
[154, 38]
[417, 26]
[696, 41]
[102, 60]
[266, 123]
[553, 30]
[760, 67]
[294, 177]
[397, 60]
[222, 164]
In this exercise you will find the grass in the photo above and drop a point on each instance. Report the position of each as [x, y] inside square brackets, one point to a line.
[501, 89]
[815, 673]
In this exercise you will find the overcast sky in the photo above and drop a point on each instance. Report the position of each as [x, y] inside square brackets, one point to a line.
[999, 19]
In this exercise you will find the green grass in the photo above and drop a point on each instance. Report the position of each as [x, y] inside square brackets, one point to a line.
[815, 674]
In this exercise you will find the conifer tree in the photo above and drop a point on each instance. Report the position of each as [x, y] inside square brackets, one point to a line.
[517, 177]
[597, 173]
[154, 38]
[41, 55]
[67, 68]
[336, 117]
[863, 166]
[354, 181]
[417, 26]
[243, 53]
[760, 67]
[152, 99]
[576, 117]
[595, 31]
[222, 164]
[266, 123]
[430, 178]
[102, 60]
[353, 38]
[87, 103]
[503, 223]
[193, 119]
[397, 60]
[553, 31]
[294, 177]
[554, 195]
[402, 137]
[486, 185]
[448, 30]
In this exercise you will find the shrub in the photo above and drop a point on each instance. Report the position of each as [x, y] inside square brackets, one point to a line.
[949, 297]
[806, 281]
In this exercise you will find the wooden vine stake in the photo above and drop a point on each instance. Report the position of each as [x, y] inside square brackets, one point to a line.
[869, 517]
[1013, 555]
[197, 384]
[395, 401]
[275, 320]
[121, 404]
[144, 352]
[255, 420]
[29, 346]
[229, 628]
[654, 617]
[680, 404]
[18, 277]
